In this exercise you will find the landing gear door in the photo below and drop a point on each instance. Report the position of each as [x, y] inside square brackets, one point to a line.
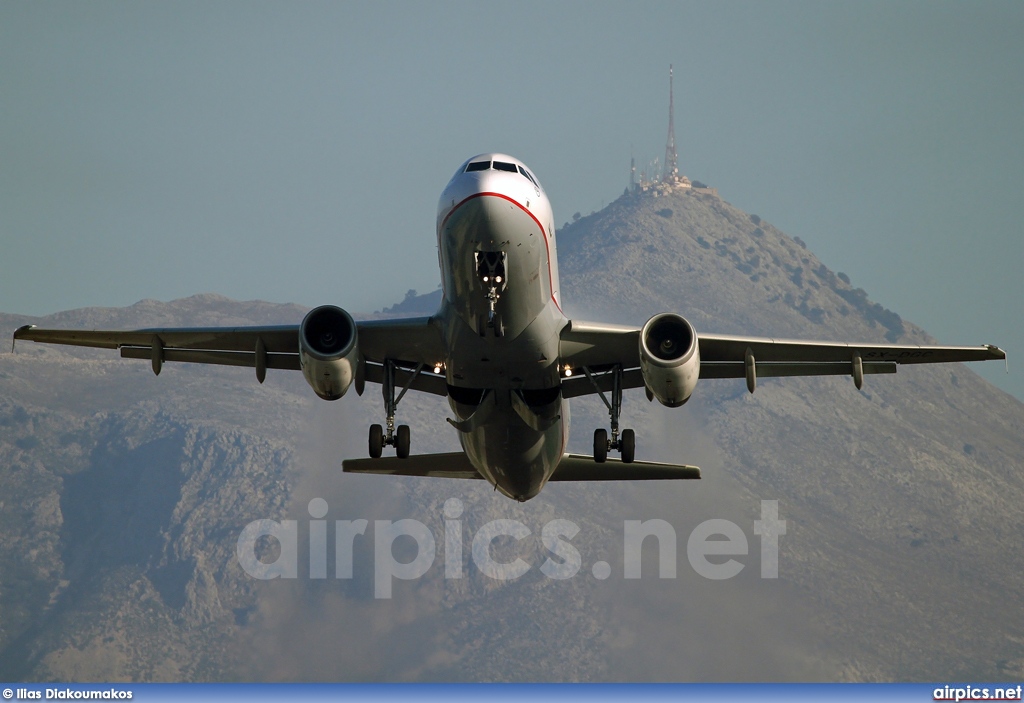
[490, 268]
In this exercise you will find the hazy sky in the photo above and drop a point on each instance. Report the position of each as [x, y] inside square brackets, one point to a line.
[294, 152]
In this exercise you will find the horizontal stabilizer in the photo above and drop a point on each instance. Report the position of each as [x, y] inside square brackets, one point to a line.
[580, 467]
[572, 467]
[450, 465]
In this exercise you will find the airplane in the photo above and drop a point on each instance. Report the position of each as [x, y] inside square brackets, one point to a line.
[503, 353]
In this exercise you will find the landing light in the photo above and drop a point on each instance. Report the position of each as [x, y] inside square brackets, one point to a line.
[568, 371]
[497, 279]
[485, 279]
[437, 368]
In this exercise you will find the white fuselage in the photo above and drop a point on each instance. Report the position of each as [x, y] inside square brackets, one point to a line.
[501, 315]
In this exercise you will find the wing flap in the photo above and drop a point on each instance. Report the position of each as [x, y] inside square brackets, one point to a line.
[287, 362]
[733, 369]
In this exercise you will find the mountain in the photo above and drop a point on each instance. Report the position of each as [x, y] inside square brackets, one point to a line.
[124, 494]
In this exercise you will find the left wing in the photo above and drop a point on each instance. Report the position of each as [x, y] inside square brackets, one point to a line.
[724, 356]
[598, 347]
[408, 342]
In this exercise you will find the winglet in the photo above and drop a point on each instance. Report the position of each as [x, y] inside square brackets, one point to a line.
[20, 332]
[998, 353]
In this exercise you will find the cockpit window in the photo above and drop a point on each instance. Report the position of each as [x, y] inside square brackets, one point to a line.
[501, 166]
[527, 174]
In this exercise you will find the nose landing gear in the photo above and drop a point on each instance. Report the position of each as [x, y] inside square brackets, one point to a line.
[490, 269]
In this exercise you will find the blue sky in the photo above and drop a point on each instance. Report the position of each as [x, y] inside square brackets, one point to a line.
[294, 152]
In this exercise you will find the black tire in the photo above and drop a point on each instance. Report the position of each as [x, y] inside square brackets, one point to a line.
[627, 446]
[600, 445]
[402, 443]
[376, 441]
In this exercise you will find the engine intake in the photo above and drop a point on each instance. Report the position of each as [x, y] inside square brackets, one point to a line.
[669, 358]
[328, 351]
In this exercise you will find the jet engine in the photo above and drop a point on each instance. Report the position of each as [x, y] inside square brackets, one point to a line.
[669, 358]
[328, 351]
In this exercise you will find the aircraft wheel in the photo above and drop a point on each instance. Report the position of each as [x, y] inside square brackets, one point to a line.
[376, 441]
[600, 445]
[627, 446]
[402, 445]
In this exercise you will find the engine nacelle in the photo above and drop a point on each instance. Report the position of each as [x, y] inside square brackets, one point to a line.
[669, 358]
[328, 351]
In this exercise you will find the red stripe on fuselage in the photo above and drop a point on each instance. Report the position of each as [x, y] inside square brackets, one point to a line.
[547, 245]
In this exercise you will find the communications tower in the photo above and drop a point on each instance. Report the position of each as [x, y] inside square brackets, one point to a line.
[671, 169]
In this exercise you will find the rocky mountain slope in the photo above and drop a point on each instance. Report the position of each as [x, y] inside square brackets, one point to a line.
[122, 496]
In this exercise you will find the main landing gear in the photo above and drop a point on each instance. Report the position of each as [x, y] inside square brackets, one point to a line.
[393, 437]
[626, 442]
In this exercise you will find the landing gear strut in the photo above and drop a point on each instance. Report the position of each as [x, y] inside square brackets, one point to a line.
[389, 435]
[626, 443]
[490, 269]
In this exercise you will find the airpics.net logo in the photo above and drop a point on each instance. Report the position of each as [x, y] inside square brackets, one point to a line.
[712, 547]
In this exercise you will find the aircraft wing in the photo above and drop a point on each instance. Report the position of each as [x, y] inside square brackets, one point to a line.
[724, 356]
[599, 347]
[231, 346]
[408, 342]
[572, 467]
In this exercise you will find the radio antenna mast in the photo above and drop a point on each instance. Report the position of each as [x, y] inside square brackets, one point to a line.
[671, 169]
